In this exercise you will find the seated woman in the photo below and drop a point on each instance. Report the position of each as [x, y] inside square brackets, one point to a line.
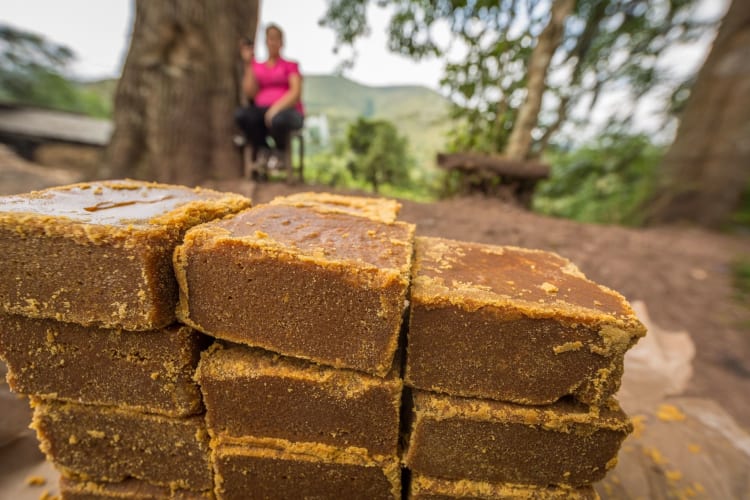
[274, 89]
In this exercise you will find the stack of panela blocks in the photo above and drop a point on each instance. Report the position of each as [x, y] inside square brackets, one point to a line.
[319, 283]
[513, 356]
[294, 388]
[87, 328]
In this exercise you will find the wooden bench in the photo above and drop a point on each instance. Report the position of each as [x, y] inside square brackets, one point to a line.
[494, 175]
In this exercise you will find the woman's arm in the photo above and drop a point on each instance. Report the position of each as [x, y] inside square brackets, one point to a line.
[249, 82]
[288, 100]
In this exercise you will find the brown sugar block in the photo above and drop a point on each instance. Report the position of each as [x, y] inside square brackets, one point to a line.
[269, 468]
[429, 488]
[513, 324]
[129, 489]
[142, 371]
[381, 209]
[327, 287]
[100, 253]
[251, 392]
[566, 443]
[104, 444]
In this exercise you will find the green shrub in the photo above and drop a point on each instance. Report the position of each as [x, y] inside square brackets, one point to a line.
[741, 279]
[608, 180]
[742, 215]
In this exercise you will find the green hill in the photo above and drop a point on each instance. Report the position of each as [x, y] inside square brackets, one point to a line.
[104, 89]
[421, 114]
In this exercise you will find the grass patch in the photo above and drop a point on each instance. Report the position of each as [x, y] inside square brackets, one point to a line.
[741, 279]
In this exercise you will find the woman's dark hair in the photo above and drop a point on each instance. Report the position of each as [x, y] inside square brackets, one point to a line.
[272, 26]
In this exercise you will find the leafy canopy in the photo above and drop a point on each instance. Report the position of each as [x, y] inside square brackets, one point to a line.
[32, 71]
[606, 44]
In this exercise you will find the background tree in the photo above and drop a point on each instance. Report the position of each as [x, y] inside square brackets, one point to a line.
[33, 72]
[509, 45]
[379, 155]
[519, 142]
[179, 87]
[705, 171]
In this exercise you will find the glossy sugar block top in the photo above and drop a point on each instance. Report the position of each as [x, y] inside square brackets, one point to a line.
[381, 209]
[100, 253]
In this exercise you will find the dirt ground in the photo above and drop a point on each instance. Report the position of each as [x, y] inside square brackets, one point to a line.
[682, 275]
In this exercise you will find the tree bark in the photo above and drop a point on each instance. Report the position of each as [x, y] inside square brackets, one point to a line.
[176, 97]
[706, 169]
[519, 143]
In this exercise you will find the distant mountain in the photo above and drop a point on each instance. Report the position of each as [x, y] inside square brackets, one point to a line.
[103, 88]
[421, 114]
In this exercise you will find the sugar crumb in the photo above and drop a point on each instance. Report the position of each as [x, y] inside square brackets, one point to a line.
[670, 413]
[673, 475]
[36, 481]
[549, 288]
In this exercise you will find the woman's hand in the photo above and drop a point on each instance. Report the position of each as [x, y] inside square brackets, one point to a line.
[288, 100]
[268, 117]
[247, 53]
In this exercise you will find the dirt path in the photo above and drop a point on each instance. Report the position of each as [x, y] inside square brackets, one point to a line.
[682, 274]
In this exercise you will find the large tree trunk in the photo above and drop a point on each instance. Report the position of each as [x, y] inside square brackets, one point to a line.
[176, 97]
[519, 143]
[707, 168]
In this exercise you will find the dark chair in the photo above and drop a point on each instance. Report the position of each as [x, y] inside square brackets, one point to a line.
[258, 168]
[295, 173]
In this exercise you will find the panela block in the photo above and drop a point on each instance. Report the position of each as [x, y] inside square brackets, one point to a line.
[268, 468]
[100, 253]
[430, 488]
[251, 392]
[129, 489]
[566, 443]
[102, 444]
[513, 324]
[327, 287]
[149, 371]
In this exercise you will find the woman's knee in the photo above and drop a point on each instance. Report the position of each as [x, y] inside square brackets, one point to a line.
[241, 117]
[286, 121]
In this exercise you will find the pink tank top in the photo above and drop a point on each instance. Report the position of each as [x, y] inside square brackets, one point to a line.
[273, 82]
